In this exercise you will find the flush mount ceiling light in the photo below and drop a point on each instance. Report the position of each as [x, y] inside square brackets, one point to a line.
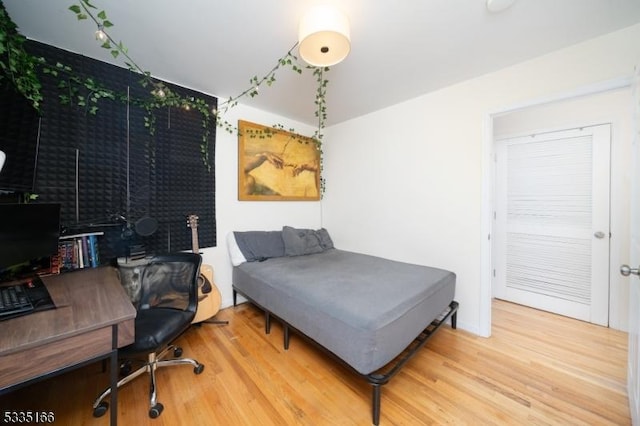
[496, 6]
[323, 36]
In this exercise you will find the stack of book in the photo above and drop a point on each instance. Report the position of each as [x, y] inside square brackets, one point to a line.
[79, 251]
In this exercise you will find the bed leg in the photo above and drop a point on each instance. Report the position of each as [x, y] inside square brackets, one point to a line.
[235, 298]
[267, 322]
[376, 404]
[286, 336]
[454, 315]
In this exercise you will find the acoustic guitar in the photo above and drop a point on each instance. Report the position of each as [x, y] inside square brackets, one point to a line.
[209, 298]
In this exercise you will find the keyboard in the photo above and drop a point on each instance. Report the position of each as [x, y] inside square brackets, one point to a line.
[14, 300]
[24, 297]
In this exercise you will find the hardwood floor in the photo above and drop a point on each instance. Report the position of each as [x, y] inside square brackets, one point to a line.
[537, 368]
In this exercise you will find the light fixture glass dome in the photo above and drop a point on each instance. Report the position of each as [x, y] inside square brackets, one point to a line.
[323, 36]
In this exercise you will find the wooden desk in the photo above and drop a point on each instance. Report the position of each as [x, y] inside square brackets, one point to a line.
[92, 319]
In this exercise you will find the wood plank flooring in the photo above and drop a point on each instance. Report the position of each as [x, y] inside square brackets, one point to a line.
[537, 368]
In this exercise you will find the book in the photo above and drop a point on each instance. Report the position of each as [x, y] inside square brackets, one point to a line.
[84, 244]
[79, 251]
[93, 251]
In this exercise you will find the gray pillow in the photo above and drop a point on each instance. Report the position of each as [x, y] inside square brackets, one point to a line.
[260, 245]
[298, 242]
[325, 240]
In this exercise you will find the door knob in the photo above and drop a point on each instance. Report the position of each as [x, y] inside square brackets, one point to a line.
[626, 270]
[599, 234]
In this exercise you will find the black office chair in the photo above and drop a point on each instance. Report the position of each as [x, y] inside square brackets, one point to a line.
[167, 305]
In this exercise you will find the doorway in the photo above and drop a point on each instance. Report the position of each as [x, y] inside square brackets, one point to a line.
[551, 221]
[605, 103]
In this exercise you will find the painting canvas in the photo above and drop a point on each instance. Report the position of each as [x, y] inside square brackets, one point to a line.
[276, 165]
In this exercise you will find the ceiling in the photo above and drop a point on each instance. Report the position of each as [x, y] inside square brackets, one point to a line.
[399, 49]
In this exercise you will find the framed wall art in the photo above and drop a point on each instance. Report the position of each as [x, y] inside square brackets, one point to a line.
[276, 165]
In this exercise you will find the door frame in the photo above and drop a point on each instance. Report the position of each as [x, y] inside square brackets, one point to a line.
[633, 361]
[488, 184]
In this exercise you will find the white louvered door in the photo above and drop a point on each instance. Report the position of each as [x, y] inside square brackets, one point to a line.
[552, 222]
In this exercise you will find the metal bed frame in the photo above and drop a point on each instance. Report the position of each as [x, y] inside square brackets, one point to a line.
[381, 376]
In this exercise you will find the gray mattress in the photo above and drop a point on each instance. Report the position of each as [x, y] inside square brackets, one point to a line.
[364, 309]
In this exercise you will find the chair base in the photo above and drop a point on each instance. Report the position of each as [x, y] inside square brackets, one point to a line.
[154, 362]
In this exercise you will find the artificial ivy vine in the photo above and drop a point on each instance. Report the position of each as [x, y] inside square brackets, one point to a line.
[16, 64]
[21, 68]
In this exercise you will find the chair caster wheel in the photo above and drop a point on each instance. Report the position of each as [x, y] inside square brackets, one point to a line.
[198, 369]
[156, 410]
[177, 352]
[100, 409]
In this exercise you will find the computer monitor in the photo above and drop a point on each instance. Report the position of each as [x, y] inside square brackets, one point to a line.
[28, 232]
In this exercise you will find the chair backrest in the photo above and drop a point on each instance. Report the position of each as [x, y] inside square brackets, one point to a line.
[171, 281]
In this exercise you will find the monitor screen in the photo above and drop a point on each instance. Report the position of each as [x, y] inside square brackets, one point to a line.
[28, 232]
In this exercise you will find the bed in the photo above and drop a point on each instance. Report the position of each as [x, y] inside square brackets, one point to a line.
[372, 313]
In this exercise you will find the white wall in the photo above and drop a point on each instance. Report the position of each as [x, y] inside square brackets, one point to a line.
[234, 215]
[608, 107]
[408, 182]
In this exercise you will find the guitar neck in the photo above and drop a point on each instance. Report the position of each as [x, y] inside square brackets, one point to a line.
[194, 240]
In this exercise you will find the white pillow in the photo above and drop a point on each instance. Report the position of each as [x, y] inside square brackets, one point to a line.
[236, 256]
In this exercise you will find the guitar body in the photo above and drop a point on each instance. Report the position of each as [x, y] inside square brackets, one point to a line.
[208, 303]
[209, 298]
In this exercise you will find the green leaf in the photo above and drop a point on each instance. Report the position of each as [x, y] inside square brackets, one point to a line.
[107, 24]
[89, 4]
[82, 16]
[102, 15]
[75, 9]
[115, 53]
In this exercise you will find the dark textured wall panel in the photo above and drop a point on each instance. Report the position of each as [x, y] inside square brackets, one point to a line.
[121, 169]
